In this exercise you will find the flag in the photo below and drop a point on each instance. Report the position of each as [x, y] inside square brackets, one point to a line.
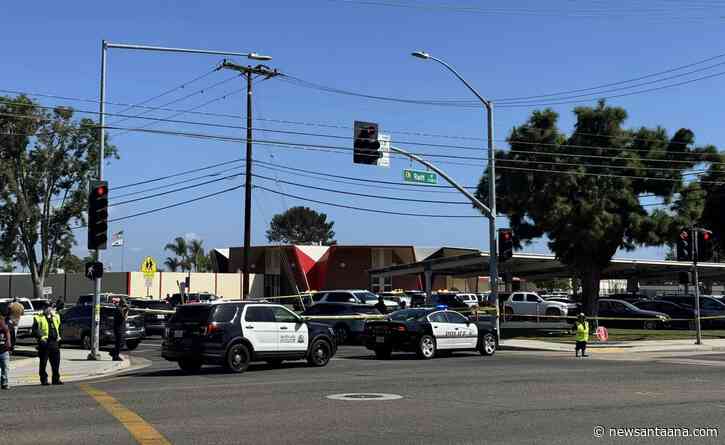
[117, 239]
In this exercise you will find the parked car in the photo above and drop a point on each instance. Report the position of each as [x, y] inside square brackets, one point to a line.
[25, 324]
[623, 310]
[449, 299]
[235, 333]
[471, 300]
[40, 304]
[345, 330]
[353, 296]
[194, 297]
[75, 326]
[631, 297]
[709, 307]
[153, 323]
[106, 298]
[530, 304]
[428, 332]
[573, 307]
[683, 317]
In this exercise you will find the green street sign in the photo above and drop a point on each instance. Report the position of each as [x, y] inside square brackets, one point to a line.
[420, 177]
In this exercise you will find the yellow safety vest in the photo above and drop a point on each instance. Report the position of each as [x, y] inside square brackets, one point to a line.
[44, 329]
[582, 331]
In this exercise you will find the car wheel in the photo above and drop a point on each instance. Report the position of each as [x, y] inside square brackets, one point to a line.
[320, 353]
[237, 359]
[86, 342]
[190, 366]
[382, 353]
[274, 362]
[650, 324]
[552, 313]
[342, 334]
[487, 345]
[508, 314]
[132, 344]
[426, 347]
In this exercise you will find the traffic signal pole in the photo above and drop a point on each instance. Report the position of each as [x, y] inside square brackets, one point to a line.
[695, 237]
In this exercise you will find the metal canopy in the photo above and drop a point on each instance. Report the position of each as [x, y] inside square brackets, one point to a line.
[538, 266]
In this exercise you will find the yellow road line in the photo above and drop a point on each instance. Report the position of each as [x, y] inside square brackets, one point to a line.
[142, 431]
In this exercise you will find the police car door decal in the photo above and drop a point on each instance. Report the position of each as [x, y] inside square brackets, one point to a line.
[293, 335]
[442, 330]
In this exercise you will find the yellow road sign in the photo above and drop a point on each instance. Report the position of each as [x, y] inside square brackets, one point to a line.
[148, 266]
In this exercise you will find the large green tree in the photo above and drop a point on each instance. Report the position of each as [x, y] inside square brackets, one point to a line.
[587, 192]
[713, 215]
[301, 225]
[46, 160]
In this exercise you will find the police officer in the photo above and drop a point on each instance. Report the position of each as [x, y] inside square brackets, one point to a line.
[119, 328]
[582, 335]
[46, 328]
[380, 306]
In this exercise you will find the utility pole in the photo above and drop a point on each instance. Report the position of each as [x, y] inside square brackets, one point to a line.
[695, 238]
[248, 72]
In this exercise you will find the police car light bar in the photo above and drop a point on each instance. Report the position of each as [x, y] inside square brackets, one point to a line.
[442, 307]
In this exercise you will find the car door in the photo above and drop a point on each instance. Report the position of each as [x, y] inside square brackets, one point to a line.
[293, 333]
[443, 331]
[533, 305]
[518, 304]
[260, 327]
[465, 333]
[69, 324]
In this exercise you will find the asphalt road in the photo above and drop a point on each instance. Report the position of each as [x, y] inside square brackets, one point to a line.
[511, 398]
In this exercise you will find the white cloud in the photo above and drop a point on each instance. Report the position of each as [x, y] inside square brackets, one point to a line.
[191, 236]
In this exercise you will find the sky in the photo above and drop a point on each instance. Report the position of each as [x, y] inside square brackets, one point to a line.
[505, 49]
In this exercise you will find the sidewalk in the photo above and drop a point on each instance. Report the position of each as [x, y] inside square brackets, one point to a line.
[74, 366]
[618, 347]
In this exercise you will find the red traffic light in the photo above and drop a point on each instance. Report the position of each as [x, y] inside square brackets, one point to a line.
[100, 191]
[706, 236]
[506, 235]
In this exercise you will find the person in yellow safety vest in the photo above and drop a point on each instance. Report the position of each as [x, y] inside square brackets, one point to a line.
[582, 335]
[46, 328]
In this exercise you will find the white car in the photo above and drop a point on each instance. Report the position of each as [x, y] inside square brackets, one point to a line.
[531, 305]
[25, 326]
[471, 300]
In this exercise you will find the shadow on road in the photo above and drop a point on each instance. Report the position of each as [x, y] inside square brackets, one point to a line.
[217, 370]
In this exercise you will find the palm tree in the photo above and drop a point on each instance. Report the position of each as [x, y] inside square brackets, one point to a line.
[180, 248]
[172, 264]
[196, 255]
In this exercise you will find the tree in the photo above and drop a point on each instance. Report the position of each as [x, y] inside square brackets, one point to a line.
[583, 191]
[554, 284]
[172, 264]
[180, 248]
[197, 258]
[301, 225]
[71, 264]
[713, 184]
[46, 161]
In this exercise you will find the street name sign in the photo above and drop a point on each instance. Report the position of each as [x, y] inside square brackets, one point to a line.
[420, 177]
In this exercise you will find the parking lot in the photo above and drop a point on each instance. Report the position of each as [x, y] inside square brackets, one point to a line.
[512, 397]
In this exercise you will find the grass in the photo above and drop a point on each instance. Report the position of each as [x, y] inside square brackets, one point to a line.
[632, 335]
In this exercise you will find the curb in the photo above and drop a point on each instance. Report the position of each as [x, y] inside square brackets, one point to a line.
[126, 366]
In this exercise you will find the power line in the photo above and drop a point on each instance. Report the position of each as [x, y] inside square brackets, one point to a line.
[188, 187]
[161, 178]
[609, 175]
[161, 187]
[363, 209]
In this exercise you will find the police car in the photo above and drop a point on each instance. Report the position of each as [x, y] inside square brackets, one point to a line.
[235, 333]
[427, 332]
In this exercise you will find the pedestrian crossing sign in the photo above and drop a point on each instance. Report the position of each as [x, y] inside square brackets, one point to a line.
[148, 267]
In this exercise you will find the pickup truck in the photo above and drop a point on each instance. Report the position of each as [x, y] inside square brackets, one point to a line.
[530, 304]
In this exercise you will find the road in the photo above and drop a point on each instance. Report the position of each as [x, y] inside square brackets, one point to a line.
[514, 397]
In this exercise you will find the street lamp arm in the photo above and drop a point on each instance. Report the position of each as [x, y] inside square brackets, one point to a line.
[180, 50]
[475, 201]
[485, 102]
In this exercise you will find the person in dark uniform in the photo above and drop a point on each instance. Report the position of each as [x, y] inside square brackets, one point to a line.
[380, 306]
[46, 328]
[119, 328]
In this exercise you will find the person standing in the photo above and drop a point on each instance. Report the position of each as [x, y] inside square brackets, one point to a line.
[5, 347]
[46, 328]
[119, 327]
[582, 335]
[16, 310]
[380, 306]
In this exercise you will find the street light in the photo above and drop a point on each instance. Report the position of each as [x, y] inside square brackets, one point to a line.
[493, 260]
[255, 56]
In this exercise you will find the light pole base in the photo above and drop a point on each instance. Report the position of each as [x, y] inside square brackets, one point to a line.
[92, 356]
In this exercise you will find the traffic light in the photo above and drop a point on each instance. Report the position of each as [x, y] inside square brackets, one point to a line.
[684, 246]
[684, 277]
[94, 270]
[366, 145]
[704, 245]
[505, 244]
[98, 215]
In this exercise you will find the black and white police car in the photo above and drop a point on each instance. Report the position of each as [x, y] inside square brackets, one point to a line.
[235, 333]
[429, 331]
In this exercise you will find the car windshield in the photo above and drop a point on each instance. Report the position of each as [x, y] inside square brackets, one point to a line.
[197, 313]
[408, 314]
[366, 296]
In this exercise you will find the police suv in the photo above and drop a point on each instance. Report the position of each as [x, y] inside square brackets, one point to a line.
[235, 333]
[427, 332]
